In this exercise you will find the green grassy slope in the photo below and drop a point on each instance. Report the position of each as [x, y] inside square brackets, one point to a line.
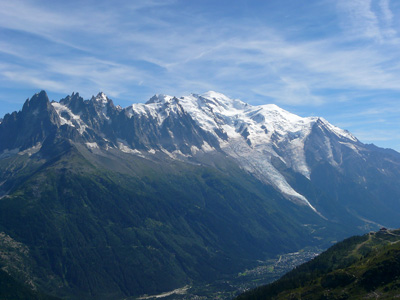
[360, 267]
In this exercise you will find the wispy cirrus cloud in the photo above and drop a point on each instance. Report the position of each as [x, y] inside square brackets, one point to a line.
[132, 50]
[257, 56]
[369, 19]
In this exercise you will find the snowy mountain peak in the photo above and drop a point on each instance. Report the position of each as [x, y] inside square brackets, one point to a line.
[341, 133]
[222, 102]
[160, 98]
[215, 95]
[100, 98]
[262, 139]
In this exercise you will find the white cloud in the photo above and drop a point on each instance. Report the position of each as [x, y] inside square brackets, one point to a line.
[112, 47]
[363, 19]
[386, 12]
[360, 20]
[371, 135]
[33, 79]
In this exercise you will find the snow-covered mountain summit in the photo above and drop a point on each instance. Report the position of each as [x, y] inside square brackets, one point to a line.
[254, 136]
[262, 139]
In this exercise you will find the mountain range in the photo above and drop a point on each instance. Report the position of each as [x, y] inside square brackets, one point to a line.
[103, 202]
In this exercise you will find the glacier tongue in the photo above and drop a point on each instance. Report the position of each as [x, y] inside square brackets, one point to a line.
[259, 164]
[255, 134]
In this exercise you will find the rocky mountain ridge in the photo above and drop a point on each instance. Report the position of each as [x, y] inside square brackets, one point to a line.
[111, 201]
[256, 137]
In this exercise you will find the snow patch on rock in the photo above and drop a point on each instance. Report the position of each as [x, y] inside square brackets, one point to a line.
[69, 118]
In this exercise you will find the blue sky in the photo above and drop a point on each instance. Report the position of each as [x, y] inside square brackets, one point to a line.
[339, 59]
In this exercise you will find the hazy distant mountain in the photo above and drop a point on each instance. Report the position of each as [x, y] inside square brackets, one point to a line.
[113, 202]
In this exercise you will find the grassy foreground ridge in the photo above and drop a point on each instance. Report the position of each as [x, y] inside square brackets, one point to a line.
[360, 267]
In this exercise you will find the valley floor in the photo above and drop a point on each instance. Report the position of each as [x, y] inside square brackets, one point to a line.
[266, 272]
